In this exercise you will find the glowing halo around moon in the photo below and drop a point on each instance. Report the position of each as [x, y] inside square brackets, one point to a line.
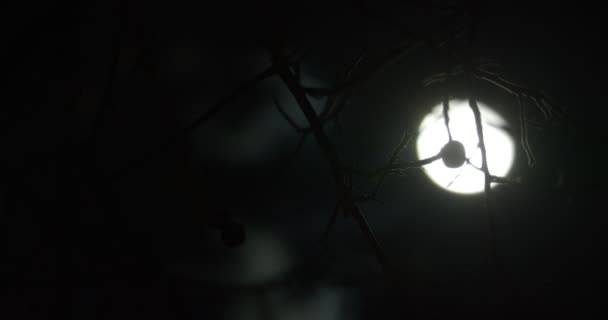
[466, 179]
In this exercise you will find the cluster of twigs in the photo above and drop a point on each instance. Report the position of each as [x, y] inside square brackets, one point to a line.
[525, 97]
[336, 99]
[472, 71]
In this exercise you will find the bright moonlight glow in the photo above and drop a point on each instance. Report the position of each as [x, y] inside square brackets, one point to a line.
[467, 179]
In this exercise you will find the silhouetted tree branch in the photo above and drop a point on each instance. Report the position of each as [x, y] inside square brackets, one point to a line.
[345, 198]
[360, 71]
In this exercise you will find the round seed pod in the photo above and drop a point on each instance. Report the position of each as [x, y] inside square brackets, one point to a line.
[453, 154]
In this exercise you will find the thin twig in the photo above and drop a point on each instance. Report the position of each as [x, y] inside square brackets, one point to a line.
[468, 160]
[336, 102]
[220, 105]
[386, 61]
[541, 99]
[504, 180]
[199, 120]
[446, 114]
[455, 178]
[402, 166]
[403, 143]
[396, 167]
[523, 125]
[377, 66]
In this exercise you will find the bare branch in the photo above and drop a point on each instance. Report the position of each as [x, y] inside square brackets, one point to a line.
[545, 104]
[371, 238]
[377, 66]
[441, 77]
[524, 133]
[316, 125]
[403, 166]
[240, 90]
[343, 191]
[386, 61]
[503, 180]
[398, 168]
[480, 137]
[446, 114]
[472, 165]
[198, 121]
[403, 143]
[336, 102]
[541, 99]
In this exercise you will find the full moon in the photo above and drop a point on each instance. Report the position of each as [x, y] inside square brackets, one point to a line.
[467, 179]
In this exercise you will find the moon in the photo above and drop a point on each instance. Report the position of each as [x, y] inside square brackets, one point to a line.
[467, 179]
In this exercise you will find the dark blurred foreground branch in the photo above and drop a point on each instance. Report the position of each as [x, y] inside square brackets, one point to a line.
[205, 117]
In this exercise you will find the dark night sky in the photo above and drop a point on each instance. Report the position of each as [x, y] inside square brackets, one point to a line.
[102, 218]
